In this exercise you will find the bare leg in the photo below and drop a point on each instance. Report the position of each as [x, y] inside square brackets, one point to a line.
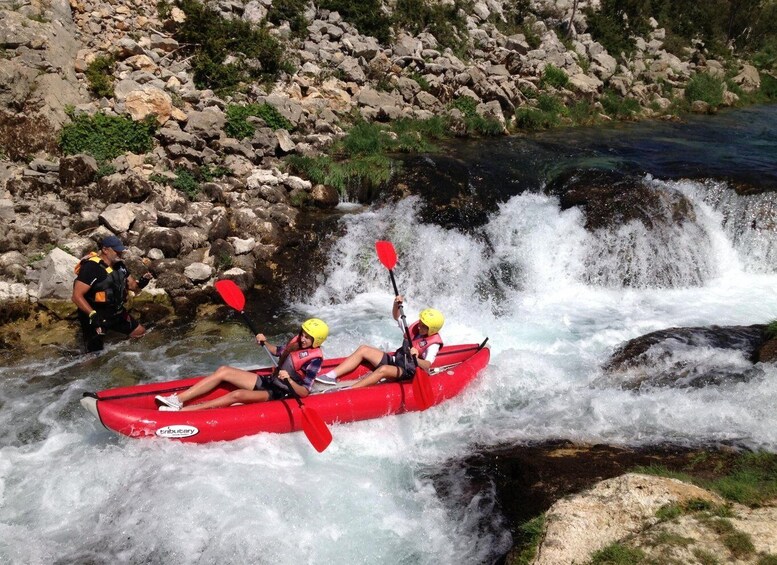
[234, 397]
[385, 372]
[238, 377]
[367, 353]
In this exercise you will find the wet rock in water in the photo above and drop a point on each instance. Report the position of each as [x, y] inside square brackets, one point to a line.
[644, 234]
[686, 357]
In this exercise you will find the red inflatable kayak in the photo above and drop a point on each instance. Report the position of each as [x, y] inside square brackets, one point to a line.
[132, 410]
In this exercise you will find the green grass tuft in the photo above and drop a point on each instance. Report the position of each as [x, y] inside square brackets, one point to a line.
[239, 127]
[706, 88]
[617, 554]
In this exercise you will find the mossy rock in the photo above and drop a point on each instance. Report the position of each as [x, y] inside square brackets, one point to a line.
[62, 309]
[768, 352]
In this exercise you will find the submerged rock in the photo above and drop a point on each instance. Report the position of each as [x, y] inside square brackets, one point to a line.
[687, 357]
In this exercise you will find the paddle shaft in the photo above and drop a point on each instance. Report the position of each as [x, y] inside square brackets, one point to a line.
[293, 392]
[402, 313]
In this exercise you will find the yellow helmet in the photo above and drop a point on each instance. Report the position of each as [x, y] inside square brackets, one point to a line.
[432, 319]
[316, 329]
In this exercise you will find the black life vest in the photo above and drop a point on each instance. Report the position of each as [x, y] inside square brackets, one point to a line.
[109, 293]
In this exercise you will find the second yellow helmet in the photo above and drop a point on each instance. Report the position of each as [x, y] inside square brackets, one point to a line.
[317, 329]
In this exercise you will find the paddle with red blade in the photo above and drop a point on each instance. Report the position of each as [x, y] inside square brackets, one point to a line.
[314, 427]
[422, 386]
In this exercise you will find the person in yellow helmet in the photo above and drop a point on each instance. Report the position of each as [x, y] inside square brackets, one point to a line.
[425, 343]
[298, 366]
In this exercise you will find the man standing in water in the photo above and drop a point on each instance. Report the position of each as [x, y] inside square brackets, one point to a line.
[100, 290]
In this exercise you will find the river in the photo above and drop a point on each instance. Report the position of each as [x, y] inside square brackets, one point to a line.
[524, 274]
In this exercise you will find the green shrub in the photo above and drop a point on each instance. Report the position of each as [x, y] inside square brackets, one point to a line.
[107, 137]
[583, 112]
[189, 181]
[768, 89]
[239, 127]
[291, 11]
[214, 38]
[367, 16]
[547, 114]
[619, 107]
[532, 39]
[555, 77]
[362, 170]
[445, 22]
[616, 23]
[186, 182]
[771, 330]
[706, 88]
[99, 74]
[466, 105]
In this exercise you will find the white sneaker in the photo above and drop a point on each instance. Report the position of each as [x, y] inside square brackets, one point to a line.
[327, 379]
[168, 409]
[172, 401]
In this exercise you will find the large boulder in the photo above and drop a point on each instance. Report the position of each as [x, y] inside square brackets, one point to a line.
[56, 275]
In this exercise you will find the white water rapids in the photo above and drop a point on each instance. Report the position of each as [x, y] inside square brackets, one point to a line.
[71, 492]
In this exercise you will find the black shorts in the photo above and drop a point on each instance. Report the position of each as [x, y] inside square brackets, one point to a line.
[122, 322]
[271, 385]
[391, 359]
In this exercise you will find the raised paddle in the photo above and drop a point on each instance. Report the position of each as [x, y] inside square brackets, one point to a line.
[422, 386]
[314, 427]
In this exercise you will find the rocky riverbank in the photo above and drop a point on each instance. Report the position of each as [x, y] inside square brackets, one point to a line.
[196, 200]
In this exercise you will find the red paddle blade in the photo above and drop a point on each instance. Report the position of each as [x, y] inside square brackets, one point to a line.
[422, 389]
[386, 253]
[315, 429]
[231, 294]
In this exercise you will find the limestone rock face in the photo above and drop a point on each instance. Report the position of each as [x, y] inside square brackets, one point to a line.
[613, 509]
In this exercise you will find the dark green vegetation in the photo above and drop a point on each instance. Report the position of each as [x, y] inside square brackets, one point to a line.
[367, 16]
[528, 538]
[98, 74]
[445, 22]
[106, 137]
[290, 11]
[239, 127]
[361, 158]
[747, 25]
[226, 53]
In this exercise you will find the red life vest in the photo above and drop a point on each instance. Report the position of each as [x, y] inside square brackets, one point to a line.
[422, 343]
[298, 359]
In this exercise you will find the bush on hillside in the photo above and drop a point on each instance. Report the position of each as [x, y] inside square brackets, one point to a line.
[239, 127]
[367, 16]
[706, 88]
[99, 74]
[253, 52]
[745, 25]
[445, 22]
[291, 11]
[555, 77]
[107, 137]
